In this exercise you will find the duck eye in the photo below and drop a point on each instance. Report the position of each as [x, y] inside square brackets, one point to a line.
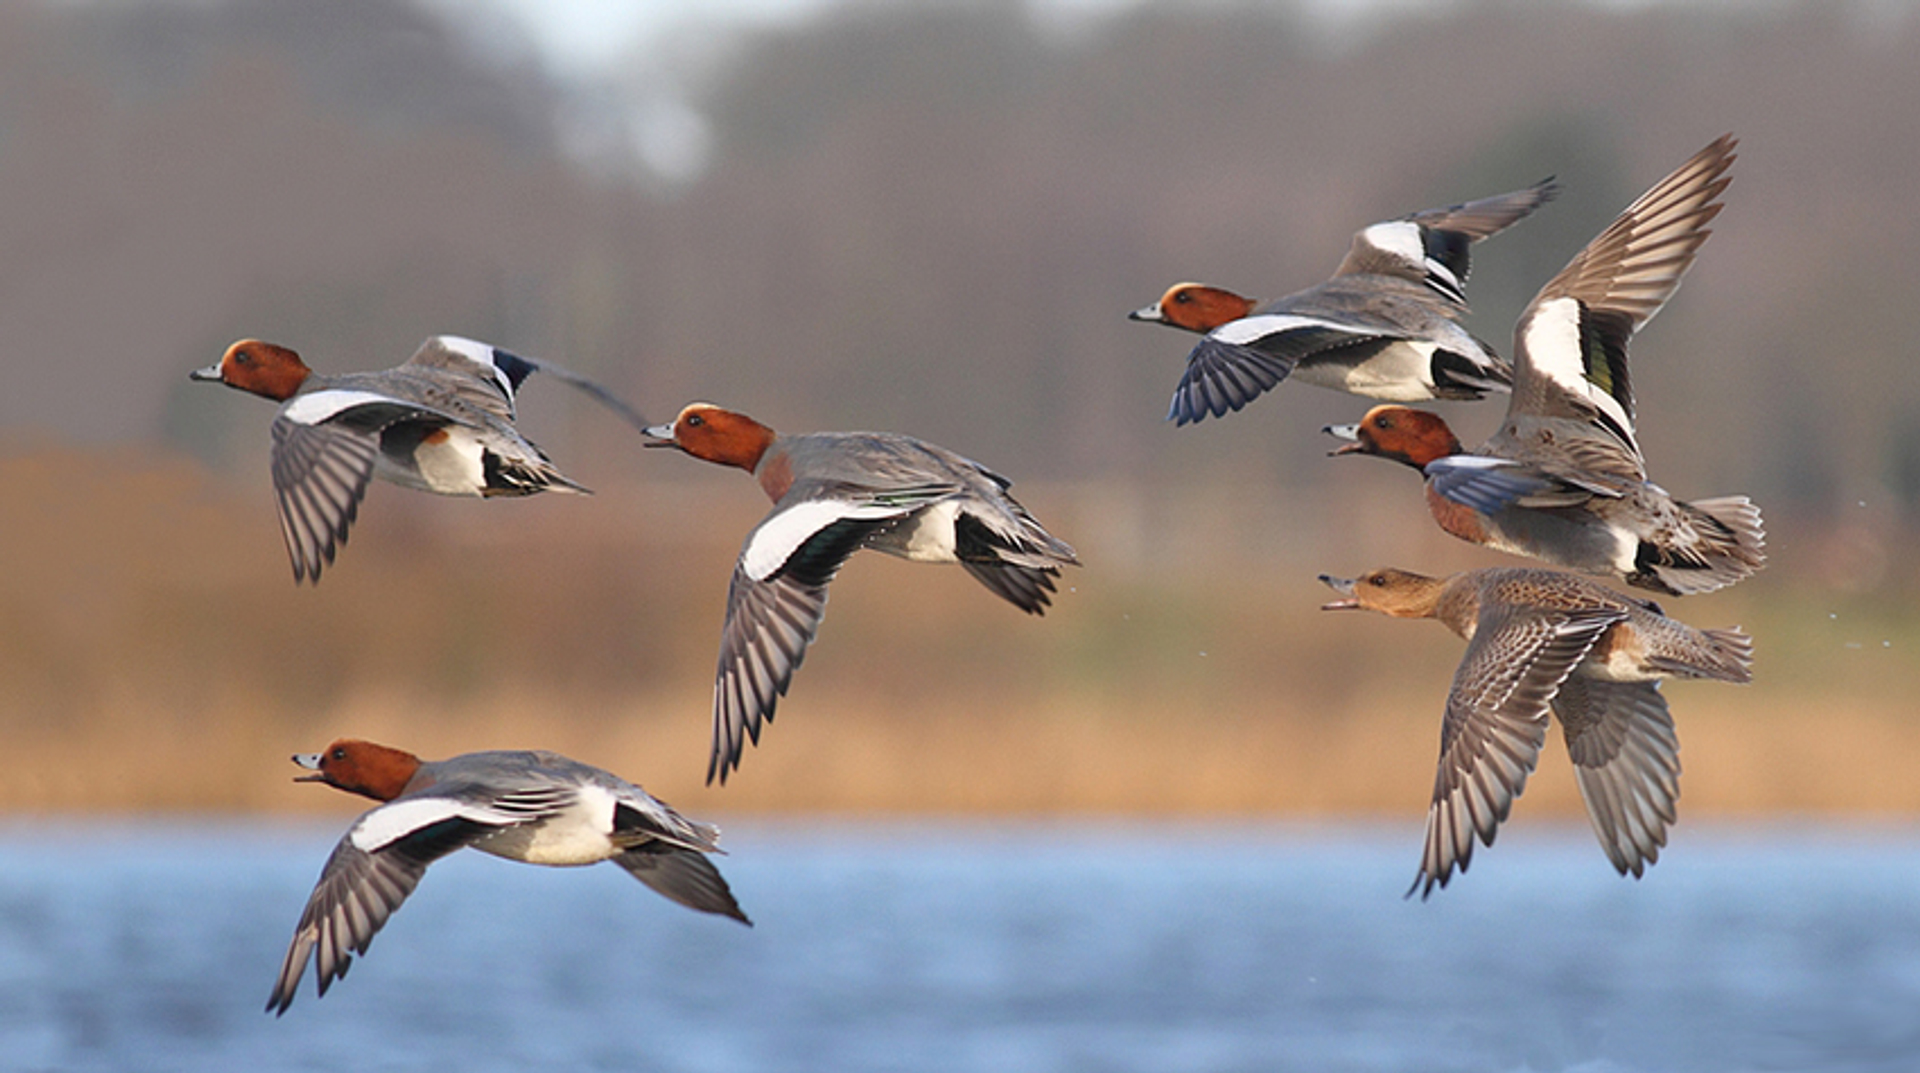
[1377, 581]
[695, 420]
[339, 754]
[1182, 298]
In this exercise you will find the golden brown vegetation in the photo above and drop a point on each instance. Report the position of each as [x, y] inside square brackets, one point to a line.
[155, 654]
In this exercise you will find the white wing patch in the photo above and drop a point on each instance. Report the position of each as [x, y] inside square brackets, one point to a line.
[481, 354]
[389, 823]
[1471, 462]
[785, 531]
[325, 405]
[1551, 344]
[1400, 238]
[1248, 330]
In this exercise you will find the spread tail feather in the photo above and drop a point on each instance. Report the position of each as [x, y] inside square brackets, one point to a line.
[1725, 543]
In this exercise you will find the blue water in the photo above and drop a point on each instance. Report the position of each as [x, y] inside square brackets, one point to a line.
[928, 947]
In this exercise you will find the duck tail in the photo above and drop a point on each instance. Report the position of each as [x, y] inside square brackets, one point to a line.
[1721, 542]
[1732, 654]
[1722, 655]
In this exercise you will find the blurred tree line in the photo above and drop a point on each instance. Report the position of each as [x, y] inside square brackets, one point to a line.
[933, 217]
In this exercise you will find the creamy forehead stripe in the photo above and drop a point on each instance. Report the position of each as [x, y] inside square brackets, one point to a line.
[1252, 329]
[1550, 343]
[318, 406]
[784, 532]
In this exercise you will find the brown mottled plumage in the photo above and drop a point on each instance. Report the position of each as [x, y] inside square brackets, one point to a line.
[1540, 641]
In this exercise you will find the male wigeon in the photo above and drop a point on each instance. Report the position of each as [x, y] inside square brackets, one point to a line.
[1563, 479]
[1539, 641]
[1387, 325]
[834, 493]
[442, 422]
[538, 807]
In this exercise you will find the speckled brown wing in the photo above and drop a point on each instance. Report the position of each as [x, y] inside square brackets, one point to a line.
[1496, 722]
[1627, 760]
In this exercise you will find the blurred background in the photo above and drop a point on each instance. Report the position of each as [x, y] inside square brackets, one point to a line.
[929, 218]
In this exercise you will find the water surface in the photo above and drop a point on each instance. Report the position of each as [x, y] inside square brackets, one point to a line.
[992, 947]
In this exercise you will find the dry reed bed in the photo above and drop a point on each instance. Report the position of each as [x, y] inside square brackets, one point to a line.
[155, 656]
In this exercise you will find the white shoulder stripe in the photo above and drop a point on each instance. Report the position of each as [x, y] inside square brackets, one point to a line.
[1458, 462]
[394, 821]
[786, 530]
[1550, 343]
[322, 406]
[1259, 326]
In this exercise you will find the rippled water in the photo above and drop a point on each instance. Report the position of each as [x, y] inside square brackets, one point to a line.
[1004, 948]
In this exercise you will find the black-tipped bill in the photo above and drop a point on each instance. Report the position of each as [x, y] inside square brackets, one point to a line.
[310, 761]
[1151, 314]
[1343, 586]
[1350, 433]
[211, 372]
[659, 436]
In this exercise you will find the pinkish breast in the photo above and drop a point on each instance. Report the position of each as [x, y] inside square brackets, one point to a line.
[775, 474]
[1456, 518]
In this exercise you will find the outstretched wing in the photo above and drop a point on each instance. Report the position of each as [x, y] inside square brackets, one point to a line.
[325, 446]
[1570, 345]
[1627, 760]
[775, 602]
[375, 867]
[1430, 246]
[1241, 360]
[1495, 724]
[682, 875]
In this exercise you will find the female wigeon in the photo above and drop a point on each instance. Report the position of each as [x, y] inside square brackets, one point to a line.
[1539, 641]
[1387, 325]
[834, 493]
[442, 422]
[538, 807]
[1563, 479]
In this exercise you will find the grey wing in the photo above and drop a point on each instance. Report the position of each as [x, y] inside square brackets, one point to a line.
[769, 625]
[1491, 485]
[1222, 376]
[1570, 345]
[1488, 216]
[356, 894]
[1029, 588]
[470, 373]
[1496, 722]
[320, 474]
[682, 875]
[1431, 247]
[1627, 760]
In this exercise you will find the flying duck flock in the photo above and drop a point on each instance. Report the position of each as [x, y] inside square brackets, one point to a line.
[1562, 482]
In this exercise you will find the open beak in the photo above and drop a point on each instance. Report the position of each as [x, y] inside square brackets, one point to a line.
[211, 372]
[1151, 314]
[1350, 433]
[1343, 586]
[659, 436]
[310, 761]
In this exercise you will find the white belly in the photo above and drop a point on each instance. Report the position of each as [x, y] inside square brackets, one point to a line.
[560, 845]
[927, 537]
[1399, 373]
[452, 466]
